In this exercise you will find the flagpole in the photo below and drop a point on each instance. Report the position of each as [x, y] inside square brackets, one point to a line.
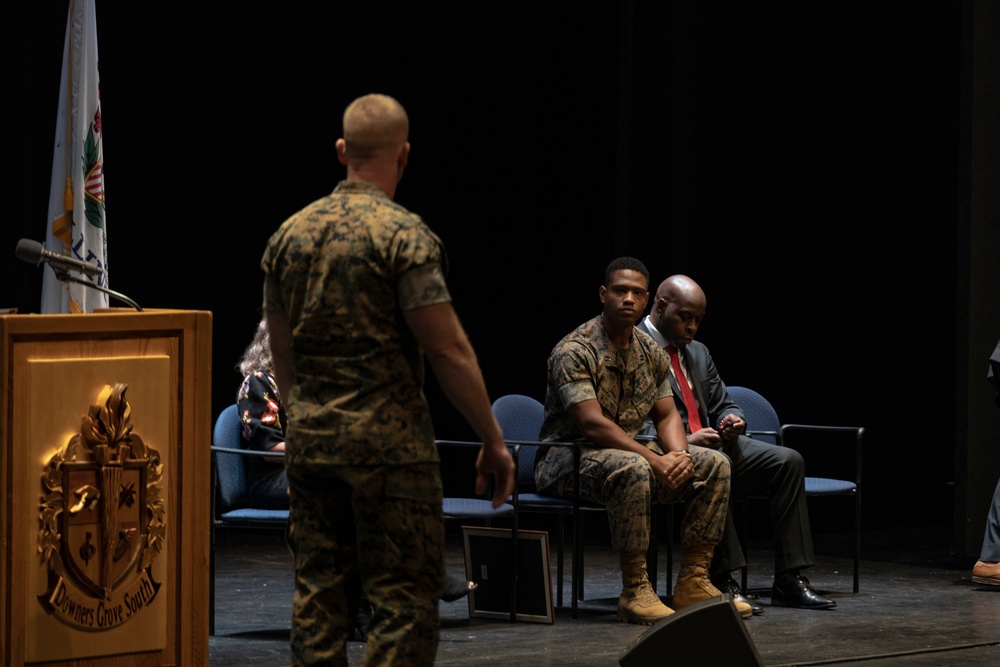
[68, 189]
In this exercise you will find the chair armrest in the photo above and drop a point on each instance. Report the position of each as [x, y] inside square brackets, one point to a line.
[575, 447]
[857, 431]
[246, 452]
[509, 443]
[645, 438]
[472, 444]
[515, 447]
[215, 470]
[774, 434]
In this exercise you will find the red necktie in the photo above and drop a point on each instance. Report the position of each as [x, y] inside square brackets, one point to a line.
[694, 417]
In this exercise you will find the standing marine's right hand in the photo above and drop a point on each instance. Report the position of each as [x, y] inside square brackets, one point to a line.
[495, 460]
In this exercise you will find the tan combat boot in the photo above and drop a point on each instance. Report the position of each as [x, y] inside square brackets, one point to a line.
[638, 602]
[693, 584]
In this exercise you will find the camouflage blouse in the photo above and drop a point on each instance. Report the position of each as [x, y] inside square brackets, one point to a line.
[586, 365]
[344, 269]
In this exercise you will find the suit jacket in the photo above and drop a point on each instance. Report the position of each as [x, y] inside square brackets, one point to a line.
[993, 374]
[714, 401]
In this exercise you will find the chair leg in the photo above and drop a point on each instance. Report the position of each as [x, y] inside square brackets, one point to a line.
[670, 550]
[744, 543]
[560, 548]
[513, 559]
[576, 579]
[211, 581]
[211, 549]
[857, 541]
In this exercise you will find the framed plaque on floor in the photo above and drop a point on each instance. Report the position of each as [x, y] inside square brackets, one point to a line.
[488, 561]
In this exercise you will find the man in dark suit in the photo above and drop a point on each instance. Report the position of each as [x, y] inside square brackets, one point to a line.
[714, 420]
[987, 568]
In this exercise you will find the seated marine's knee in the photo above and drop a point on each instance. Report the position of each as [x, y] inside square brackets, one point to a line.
[633, 466]
[710, 463]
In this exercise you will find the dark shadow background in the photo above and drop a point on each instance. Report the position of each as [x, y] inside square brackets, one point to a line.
[800, 160]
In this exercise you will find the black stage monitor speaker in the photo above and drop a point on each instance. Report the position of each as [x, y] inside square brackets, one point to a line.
[708, 633]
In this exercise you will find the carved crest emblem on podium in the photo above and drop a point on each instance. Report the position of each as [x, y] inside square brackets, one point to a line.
[101, 520]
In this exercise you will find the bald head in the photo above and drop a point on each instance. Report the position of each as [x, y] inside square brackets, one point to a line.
[678, 310]
[374, 125]
[374, 146]
[680, 287]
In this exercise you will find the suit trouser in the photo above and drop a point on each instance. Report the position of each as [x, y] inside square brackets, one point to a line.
[384, 524]
[990, 552]
[624, 483]
[760, 468]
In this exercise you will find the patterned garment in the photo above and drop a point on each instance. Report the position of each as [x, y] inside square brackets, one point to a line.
[396, 528]
[360, 454]
[585, 365]
[344, 269]
[260, 411]
[263, 421]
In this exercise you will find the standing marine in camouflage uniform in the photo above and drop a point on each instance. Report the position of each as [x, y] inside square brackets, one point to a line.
[354, 289]
[604, 379]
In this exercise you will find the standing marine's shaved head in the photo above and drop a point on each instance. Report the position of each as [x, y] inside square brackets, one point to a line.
[374, 124]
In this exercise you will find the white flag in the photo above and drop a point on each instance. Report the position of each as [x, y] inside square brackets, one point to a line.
[76, 196]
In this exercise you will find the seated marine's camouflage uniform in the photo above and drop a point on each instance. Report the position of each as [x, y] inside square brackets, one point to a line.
[626, 383]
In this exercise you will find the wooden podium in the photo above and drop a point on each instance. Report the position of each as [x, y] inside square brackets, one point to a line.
[105, 508]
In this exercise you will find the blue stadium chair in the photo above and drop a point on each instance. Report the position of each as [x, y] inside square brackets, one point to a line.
[763, 424]
[230, 499]
[521, 419]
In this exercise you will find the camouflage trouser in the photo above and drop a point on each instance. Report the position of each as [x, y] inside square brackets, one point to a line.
[624, 483]
[384, 523]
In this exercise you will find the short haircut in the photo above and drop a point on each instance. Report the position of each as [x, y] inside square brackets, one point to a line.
[372, 124]
[625, 264]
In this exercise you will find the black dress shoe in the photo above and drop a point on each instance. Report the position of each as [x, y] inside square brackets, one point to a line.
[456, 589]
[795, 591]
[729, 587]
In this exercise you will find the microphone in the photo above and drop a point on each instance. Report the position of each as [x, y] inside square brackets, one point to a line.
[35, 253]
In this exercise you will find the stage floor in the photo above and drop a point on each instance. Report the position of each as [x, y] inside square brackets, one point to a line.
[917, 606]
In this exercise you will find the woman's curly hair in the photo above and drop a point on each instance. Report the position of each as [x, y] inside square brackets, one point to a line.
[257, 356]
